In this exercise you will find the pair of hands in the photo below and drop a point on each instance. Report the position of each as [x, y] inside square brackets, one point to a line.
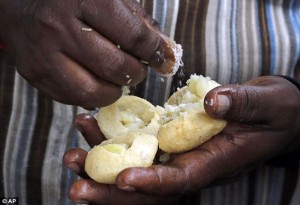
[263, 122]
[82, 52]
[70, 50]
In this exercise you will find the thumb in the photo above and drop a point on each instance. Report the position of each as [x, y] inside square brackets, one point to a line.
[240, 103]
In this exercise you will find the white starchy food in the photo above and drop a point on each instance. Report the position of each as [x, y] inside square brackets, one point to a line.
[135, 128]
[86, 29]
[125, 90]
[171, 54]
[177, 52]
[185, 124]
[129, 113]
[130, 125]
[105, 161]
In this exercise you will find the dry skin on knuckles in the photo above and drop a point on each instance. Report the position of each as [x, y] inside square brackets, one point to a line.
[134, 129]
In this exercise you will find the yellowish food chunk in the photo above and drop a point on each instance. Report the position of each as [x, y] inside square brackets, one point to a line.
[129, 113]
[185, 124]
[134, 129]
[105, 161]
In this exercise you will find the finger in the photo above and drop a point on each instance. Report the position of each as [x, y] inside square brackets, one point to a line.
[138, 10]
[189, 175]
[157, 179]
[103, 58]
[88, 126]
[72, 84]
[74, 159]
[134, 35]
[95, 193]
[130, 31]
[222, 157]
[253, 102]
[164, 58]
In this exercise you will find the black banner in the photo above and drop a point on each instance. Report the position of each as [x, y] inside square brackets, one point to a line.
[9, 200]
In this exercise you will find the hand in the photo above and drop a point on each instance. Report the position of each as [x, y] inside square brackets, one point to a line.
[263, 117]
[82, 52]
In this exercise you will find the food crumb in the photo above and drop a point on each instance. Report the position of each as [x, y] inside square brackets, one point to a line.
[86, 29]
[125, 90]
[145, 62]
[129, 81]
[164, 157]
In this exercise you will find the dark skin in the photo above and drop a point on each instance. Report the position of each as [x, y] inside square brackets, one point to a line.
[263, 123]
[69, 50]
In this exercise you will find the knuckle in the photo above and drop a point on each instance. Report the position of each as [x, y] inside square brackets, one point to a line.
[186, 182]
[153, 22]
[84, 96]
[92, 95]
[114, 65]
[140, 10]
[43, 20]
[248, 105]
[144, 42]
[139, 35]
[87, 91]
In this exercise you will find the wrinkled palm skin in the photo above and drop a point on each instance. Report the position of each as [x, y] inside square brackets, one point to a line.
[263, 123]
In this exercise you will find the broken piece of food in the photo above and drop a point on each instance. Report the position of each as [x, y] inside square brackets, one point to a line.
[185, 124]
[171, 54]
[135, 129]
[105, 161]
[128, 114]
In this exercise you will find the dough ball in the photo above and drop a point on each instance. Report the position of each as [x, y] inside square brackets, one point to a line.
[128, 114]
[185, 124]
[105, 161]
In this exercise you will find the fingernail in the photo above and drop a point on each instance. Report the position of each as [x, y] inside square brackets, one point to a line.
[223, 104]
[157, 58]
[127, 188]
[74, 167]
